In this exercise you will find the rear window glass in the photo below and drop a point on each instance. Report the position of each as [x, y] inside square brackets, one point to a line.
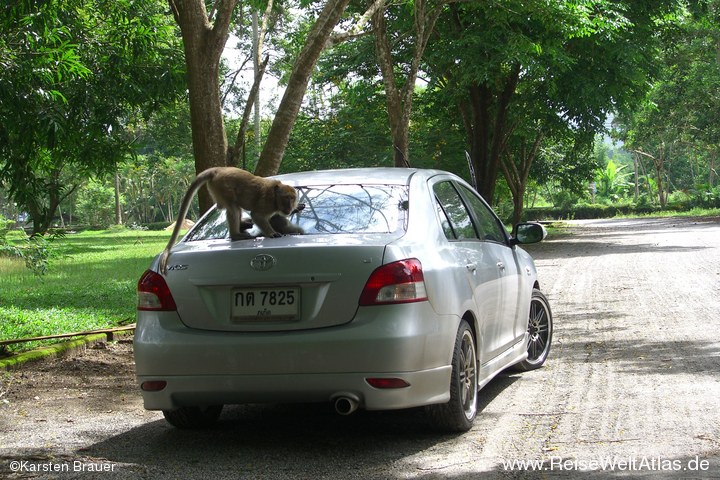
[331, 209]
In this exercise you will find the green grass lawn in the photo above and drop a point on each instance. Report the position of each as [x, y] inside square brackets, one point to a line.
[90, 284]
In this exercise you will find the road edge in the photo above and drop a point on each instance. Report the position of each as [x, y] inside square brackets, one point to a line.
[55, 350]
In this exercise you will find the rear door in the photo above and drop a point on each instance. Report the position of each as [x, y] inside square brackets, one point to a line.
[492, 232]
[480, 262]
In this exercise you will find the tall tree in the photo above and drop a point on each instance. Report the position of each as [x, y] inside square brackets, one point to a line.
[410, 46]
[204, 36]
[680, 111]
[517, 161]
[315, 42]
[588, 57]
[75, 75]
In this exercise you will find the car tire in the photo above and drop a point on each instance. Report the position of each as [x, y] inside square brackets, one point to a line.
[459, 413]
[193, 417]
[540, 332]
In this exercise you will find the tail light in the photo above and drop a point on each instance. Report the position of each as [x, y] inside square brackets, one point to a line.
[385, 383]
[153, 293]
[397, 282]
[153, 385]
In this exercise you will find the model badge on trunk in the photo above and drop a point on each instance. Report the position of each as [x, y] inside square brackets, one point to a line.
[262, 262]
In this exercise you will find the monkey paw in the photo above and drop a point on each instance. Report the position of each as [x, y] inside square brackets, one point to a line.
[241, 236]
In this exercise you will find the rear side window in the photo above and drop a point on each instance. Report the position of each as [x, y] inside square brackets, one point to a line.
[488, 226]
[454, 217]
[334, 209]
[464, 216]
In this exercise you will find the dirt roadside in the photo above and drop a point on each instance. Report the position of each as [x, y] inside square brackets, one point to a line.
[632, 387]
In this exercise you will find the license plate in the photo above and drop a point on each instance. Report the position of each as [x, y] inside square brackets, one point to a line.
[266, 303]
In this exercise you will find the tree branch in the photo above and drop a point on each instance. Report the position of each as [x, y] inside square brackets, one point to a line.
[640, 152]
[235, 75]
[239, 148]
[224, 15]
[279, 133]
[357, 30]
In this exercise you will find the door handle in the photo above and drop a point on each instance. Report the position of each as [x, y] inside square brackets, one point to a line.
[471, 267]
[501, 265]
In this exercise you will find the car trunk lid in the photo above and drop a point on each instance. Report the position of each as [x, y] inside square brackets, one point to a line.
[289, 283]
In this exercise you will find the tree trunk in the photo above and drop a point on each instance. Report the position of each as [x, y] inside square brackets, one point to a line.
[258, 37]
[204, 44]
[393, 98]
[399, 100]
[713, 172]
[659, 162]
[256, 95]
[39, 221]
[517, 171]
[279, 133]
[637, 177]
[487, 127]
[41, 215]
[240, 149]
[518, 205]
[118, 206]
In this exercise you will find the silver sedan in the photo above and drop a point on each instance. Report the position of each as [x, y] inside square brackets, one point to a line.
[405, 290]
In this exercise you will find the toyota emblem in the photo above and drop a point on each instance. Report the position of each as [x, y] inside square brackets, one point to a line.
[262, 262]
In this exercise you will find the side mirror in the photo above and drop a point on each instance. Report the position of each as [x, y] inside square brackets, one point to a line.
[530, 232]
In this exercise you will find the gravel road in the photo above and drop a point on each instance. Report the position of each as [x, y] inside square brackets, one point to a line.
[631, 388]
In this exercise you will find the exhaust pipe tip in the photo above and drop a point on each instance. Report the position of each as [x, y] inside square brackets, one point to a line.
[346, 405]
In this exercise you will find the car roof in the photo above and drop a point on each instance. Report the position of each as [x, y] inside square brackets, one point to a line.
[379, 175]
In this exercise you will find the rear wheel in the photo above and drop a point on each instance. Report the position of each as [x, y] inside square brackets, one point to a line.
[193, 417]
[459, 413]
[540, 330]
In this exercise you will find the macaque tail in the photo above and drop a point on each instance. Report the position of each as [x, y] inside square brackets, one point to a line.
[199, 181]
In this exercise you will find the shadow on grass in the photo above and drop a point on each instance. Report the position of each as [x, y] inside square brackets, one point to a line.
[107, 241]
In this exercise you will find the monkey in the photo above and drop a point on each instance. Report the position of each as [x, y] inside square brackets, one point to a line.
[235, 190]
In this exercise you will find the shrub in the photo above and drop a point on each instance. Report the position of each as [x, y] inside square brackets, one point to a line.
[584, 212]
[705, 196]
[36, 250]
[96, 204]
[157, 225]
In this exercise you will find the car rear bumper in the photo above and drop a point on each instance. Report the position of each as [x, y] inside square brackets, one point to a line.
[426, 387]
[208, 367]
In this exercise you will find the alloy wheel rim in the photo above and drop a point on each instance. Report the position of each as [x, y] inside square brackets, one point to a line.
[538, 331]
[468, 376]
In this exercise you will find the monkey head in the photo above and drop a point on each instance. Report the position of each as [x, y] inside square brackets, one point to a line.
[286, 198]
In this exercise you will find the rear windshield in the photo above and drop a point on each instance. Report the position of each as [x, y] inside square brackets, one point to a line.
[331, 209]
